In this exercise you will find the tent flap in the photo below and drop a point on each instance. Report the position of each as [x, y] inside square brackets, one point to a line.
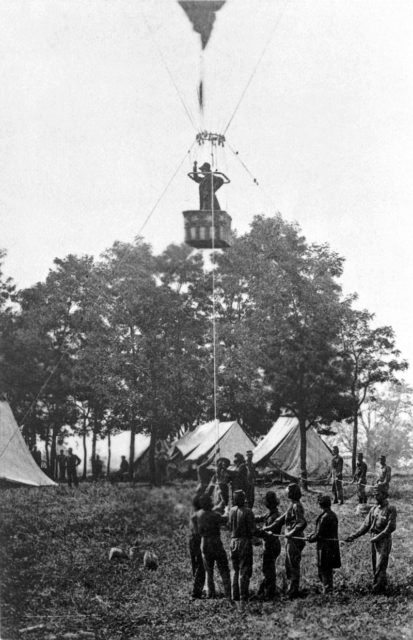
[16, 462]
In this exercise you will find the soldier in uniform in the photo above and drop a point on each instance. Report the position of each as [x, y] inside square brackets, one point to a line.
[384, 476]
[239, 475]
[203, 476]
[198, 569]
[380, 522]
[328, 548]
[295, 523]
[337, 476]
[272, 546]
[360, 477]
[250, 496]
[242, 527]
[220, 482]
[72, 462]
[209, 183]
[208, 523]
[61, 465]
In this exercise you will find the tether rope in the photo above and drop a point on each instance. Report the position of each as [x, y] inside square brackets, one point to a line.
[257, 65]
[214, 336]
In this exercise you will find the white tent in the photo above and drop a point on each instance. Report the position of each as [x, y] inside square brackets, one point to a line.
[230, 438]
[280, 449]
[119, 446]
[16, 462]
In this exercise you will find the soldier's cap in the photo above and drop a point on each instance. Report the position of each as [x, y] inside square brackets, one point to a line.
[239, 456]
[239, 498]
[335, 448]
[294, 491]
[380, 490]
[324, 501]
[249, 452]
[205, 167]
[382, 457]
[225, 461]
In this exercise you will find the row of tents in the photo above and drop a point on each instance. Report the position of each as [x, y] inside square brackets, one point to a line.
[278, 451]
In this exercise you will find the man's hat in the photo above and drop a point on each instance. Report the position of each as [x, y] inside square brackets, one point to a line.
[239, 456]
[205, 167]
[324, 501]
[380, 490]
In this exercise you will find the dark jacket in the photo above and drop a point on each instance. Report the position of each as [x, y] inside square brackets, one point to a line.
[241, 522]
[326, 537]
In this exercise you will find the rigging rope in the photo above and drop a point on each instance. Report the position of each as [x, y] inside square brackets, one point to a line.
[254, 179]
[164, 190]
[169, 72]
[257, 65]
[42, 388]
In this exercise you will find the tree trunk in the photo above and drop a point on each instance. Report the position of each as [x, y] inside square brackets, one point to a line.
[355, 437]
[94, 435]
[109, 454]
[55, 431]
[84, 452]
[132, 448]
[46, 450]
[152, 466]
[303, 453]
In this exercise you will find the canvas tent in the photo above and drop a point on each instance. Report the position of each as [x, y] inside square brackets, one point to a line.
[119, 446]
[280, 449]
[17, 465]
[201, 443]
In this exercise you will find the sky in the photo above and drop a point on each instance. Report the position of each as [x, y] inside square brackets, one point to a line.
[98, 110]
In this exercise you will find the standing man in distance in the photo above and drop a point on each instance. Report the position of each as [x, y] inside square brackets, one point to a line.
[337, 476]
[239, 475]
[73, 461]
[250, 496]
[360, 477]
[384, 476]
[61, 465]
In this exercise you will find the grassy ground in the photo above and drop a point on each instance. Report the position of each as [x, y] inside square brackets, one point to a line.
[57, 581]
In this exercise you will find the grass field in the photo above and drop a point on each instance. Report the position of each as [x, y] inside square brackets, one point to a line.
[57, 582]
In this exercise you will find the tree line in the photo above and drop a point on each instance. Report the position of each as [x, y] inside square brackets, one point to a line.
[125, 340]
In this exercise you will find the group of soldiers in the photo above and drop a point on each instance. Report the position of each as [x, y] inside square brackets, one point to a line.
[359, 478]
[211, 512]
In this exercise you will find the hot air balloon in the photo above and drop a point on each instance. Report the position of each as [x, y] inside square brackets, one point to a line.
[207, 227]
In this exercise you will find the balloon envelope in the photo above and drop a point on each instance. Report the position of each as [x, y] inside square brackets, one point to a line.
[202, 16]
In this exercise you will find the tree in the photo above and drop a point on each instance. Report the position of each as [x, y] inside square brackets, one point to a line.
[287, 293]
[371, 358]
[387, 424]
[154, 309]
[7, 293]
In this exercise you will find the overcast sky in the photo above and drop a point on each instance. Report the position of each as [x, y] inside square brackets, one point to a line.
[92, 129]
